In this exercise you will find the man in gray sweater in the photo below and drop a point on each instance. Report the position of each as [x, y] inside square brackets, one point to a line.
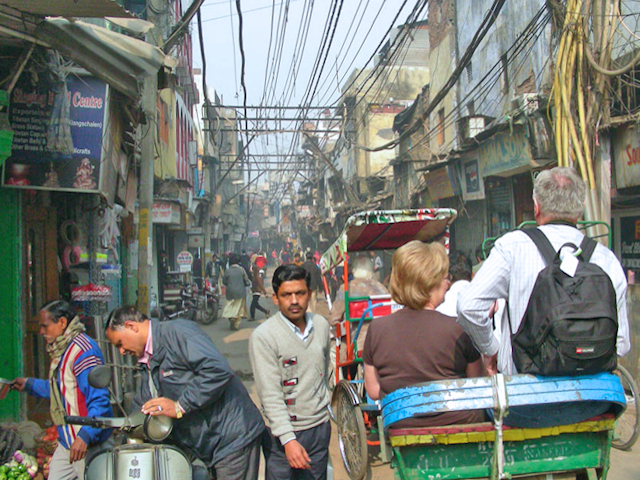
[289, 355]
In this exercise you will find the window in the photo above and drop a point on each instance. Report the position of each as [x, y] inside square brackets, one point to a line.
[441, 126]
[470, 72]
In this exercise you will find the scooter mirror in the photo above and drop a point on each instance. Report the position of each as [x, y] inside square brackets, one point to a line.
[100, 376]
[158, 428]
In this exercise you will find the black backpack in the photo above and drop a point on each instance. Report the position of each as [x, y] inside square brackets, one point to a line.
[570, 326]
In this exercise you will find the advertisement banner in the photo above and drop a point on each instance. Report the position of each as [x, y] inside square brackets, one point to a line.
[472, 182]
[630, 242]
[58, 134]
[626, 156]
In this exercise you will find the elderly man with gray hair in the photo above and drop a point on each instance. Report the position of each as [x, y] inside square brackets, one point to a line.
[510, 273]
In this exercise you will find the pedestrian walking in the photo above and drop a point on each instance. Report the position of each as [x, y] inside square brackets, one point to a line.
[290, 355]
[257, 289]
[316, 280]
[236, 282]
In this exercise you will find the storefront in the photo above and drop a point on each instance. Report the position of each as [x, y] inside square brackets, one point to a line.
[626, 227]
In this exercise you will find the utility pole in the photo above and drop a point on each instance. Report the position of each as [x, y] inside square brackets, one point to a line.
[147, 151]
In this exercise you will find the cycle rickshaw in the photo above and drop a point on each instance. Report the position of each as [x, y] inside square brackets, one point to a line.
[485, 450]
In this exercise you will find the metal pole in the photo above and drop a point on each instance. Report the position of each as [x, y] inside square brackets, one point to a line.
[145, 222]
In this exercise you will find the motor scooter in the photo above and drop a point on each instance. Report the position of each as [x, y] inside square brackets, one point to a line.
[183, 306]
[207, 303]
[136, 458]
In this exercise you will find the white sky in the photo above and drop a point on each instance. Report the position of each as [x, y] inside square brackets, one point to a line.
[352, 46]
[220, 43]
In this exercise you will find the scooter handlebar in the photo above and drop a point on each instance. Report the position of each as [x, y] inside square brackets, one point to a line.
[99, 422]
[88, 421]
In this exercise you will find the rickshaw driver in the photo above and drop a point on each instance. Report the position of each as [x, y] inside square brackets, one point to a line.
[510, 273]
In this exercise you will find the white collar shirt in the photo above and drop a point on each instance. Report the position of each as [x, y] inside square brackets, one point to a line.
[510, 273]
[299, 333]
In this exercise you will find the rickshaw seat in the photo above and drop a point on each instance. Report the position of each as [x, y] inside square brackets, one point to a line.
[485, 432]
[479, 393]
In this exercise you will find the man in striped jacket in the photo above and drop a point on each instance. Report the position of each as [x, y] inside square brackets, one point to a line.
[73, 354]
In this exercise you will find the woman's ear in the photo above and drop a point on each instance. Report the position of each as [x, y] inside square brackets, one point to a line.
[65, 324]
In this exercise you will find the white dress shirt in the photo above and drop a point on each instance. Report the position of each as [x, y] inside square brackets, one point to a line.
[450, 305]
[510, 273]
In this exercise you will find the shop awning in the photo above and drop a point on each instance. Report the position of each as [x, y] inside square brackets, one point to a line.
[71, 8]
[121, 61]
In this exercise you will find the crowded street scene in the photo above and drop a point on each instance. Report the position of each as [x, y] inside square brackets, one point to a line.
[319, 239]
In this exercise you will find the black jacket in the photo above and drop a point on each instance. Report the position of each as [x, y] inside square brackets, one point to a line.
[316, 277]
[186, 366]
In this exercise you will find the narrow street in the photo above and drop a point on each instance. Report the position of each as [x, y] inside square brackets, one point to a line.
[234, 346]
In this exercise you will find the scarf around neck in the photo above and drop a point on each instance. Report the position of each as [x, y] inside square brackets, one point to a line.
[55, 350]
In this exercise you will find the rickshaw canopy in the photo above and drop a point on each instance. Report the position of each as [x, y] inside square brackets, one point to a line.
[388, 229]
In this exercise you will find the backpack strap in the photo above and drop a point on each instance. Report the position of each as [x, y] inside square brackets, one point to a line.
[588, 246]
[542, 242]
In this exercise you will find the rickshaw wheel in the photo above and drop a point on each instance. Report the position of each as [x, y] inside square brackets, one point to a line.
[352, 435]
[628, 424]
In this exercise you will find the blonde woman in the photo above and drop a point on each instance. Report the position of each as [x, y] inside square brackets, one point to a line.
[418, 344]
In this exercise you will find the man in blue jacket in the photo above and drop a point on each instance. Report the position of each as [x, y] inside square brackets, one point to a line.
[185, 377]
[73, 355]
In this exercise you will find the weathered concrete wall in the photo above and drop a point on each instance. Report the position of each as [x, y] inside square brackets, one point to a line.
[399, 83]
[396, 85]
[441, 63]
[528, 72]
[380, 131]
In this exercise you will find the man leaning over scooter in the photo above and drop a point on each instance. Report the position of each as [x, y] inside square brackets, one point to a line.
[185, 377]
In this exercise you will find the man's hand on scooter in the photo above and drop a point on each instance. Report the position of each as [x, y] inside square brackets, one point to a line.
[78, 450]
[160, 406]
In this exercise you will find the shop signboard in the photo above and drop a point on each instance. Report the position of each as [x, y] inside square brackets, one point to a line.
[196, 241]
[165, 213]
[439, 183]
[504, 154]
[626, 154]
[59, 140]
[472, 182]
[630, 243]
[184, 260]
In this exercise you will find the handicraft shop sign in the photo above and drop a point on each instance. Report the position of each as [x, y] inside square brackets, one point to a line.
[59, 128]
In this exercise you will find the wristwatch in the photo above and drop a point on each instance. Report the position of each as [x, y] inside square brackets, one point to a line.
[178, 410]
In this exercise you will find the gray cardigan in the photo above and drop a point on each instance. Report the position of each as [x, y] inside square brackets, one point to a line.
[291, 375]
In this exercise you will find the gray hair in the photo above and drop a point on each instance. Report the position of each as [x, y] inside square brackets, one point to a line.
[123, 314]
[560, 193]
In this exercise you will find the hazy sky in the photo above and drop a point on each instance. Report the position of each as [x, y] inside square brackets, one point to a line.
[221, 41]
[361, 27]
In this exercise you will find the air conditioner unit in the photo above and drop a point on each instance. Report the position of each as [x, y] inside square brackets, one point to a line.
[192, 153]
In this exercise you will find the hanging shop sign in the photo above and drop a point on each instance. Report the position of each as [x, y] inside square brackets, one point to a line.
[626, 154]
[59, 128]
[166, 213]
[196, 241]
[184, 260]
[472, 182]
[441, 183]
[505, 154]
